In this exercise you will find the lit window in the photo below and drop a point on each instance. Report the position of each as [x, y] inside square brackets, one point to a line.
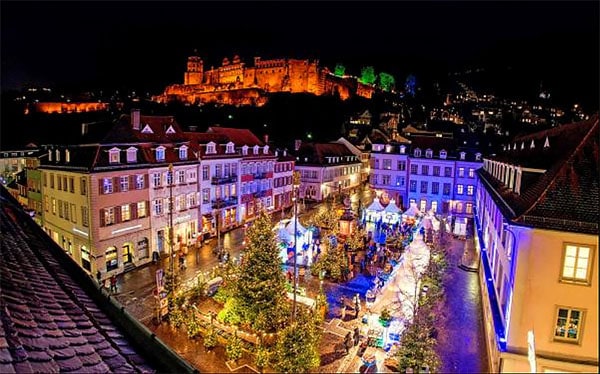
[459, 189]
[470, 190]
[568, 324]
[477, 156]
[402, 149]
[157, 207]
[141, 209]
[124, 183]
[462, 155]
[266, 149]
[112, 261]
[429, 153]
[461, 172]
[471, 173]
[417, 152]
[107, 185]
[139, 182]
[443, 155]
[183, 152]
[125, 213]
[469, 208]
[577, 263]
[132, 154]
[211, 148]
[245, 150]
[156, 180]
[230, 148]
[160, 153]
[114, 156]
[67, 156]
[255, 150]
[109, 216]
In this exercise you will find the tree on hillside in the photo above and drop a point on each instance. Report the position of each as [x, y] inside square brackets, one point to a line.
[340, 70]
[260, 287]
[386, 81]
[367, 75]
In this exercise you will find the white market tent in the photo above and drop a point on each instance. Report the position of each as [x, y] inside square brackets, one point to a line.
[374, 210]
[391, 212]
[412, 210]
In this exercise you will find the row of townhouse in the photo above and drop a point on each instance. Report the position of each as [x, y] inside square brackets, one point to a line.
[108, 204]
[537, 234]
[430, 171]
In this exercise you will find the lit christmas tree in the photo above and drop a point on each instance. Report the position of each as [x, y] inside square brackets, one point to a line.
[260, 288]
[296, 350]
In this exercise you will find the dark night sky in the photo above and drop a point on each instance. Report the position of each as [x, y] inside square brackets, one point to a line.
[144, 44]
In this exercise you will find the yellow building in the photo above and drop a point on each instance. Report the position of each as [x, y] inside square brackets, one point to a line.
[537, 230]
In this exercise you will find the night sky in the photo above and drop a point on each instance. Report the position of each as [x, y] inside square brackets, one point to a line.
[144, 44]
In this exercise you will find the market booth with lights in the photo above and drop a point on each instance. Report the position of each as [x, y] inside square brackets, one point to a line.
[303, 244]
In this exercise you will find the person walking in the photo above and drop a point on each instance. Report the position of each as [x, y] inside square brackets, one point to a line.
[113, 284]
[99, 278]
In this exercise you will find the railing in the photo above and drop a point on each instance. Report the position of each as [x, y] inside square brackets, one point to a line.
[224, 202]
[223, 180]
[260, 193]
[262, 175]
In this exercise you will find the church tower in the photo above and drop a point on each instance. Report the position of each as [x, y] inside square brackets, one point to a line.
[195, 70]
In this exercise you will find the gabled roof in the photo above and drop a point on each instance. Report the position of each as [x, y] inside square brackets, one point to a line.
[565, 197]
[239, 137]
[53, 317]
[317, 153]
[163, 129]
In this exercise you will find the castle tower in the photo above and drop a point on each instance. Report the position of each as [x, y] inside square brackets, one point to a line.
[195, 71]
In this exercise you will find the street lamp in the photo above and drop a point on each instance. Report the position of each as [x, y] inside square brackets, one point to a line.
[171, 254]
[296, 185]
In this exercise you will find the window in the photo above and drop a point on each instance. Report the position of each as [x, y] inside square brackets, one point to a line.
[471, 173]
[84, 216]
[45, 180]
[417, 152]
[446, 189]
[83, 186]
[107, 185]
[54, 206]
[157, 207]
[577, 263]
[160, 153]
[568, 324]
[266, 150]
[124, 183]
[191, 176]
[436, 171]
[477, 156]
[141, 209]
[374, 178]
[71, 185]
[447, 172]
[434, 205]
[425, 169]
[109, 216]
[169, 178]
[59, 182]
[462, 155]
[429, 153]
[51, 180]
[413, 186]
[423, 187]
[125, 213]
[423, 205]
[183, 152]
[400, 181]
[205, 172]
[112, 261]
[459, 189]
[385, 179]
[255, 150]
[461, 172]
[401, 165]
[402, 149]
[156, 180]
[192, 200]
[180, 202]
[180, 176]
[469, 209]
[85, 258]
[114, 156]
[387, 164]
[435, 188]
[413, 169]
[132, 154]
[57, 154]
[470, 190]
[66, 210]
[139, 182]
[376, 163]
[205, 195]
[443, 155]
[245, 150]
[229, 148]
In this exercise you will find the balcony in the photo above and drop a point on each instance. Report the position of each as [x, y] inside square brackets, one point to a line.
[259, 194]
[223, 180]
[262, 175]
[224, 202]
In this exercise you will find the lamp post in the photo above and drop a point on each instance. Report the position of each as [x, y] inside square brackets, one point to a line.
[296, 185]
[171, 254]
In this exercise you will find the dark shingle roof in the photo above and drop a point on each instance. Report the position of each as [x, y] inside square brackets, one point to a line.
[565, 197]
[49, 322]
[316, 153]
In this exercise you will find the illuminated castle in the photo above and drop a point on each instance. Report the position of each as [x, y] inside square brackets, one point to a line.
[235, 83]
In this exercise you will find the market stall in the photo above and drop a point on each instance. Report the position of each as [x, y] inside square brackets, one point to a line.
[391, 213]
[374, 211]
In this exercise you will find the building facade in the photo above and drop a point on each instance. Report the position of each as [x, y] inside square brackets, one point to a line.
[537, 233]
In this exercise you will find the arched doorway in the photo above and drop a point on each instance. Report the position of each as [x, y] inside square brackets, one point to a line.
[127, 253]
[112, 261]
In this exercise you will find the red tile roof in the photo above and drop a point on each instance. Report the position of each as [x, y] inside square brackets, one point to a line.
[239, 137]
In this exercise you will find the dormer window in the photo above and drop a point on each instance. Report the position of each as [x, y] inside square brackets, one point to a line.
[67, 156]
[211, 148]
[266, 149]
[183, 152]
[429, 153]
[417, 152]
[462, 155]
[230, 148]
[443, 155]
[255, 149]
[131, 154]
[478, 156]
[49, 155]
[114, 156]
[245, 150]
[402, 149]
[160, 153]
[57, 155]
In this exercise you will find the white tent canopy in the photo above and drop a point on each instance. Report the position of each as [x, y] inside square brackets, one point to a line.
[374, 211]
[391, 212]
[294, 225]
[392, 207]
[375, 206]
[412, 211]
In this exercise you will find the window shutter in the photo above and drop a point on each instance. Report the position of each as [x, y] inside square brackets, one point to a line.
[132, 185]
[102, 221]
[147, 208]
[100, 186]
[133, 208]
[116, 184]
[117, 211]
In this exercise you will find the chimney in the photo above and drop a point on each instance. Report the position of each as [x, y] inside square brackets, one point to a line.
[266, 138]
[297, 144]
[135, 119]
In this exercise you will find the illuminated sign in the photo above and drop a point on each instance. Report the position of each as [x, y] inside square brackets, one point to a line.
[126, 229]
